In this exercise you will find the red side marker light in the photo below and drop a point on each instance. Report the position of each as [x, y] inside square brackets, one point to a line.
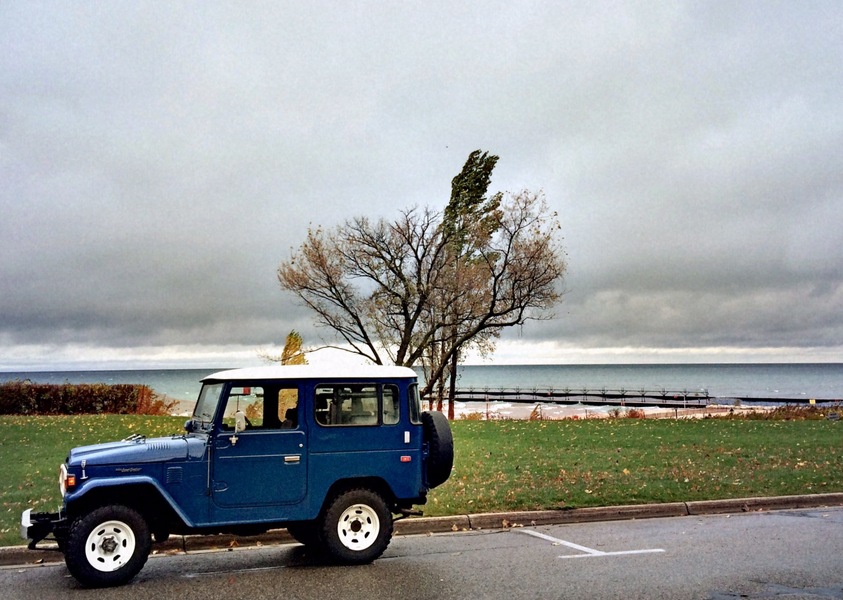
[406, 459]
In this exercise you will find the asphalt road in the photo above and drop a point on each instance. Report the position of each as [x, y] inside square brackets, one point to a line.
[780, 554]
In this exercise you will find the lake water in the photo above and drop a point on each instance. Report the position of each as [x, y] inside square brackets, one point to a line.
[799, 381]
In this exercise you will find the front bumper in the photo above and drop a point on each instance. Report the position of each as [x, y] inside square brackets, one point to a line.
[35, 527]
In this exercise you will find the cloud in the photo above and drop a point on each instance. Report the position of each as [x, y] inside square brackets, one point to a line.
[159, 161]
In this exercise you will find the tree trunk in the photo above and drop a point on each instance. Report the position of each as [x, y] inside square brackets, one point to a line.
[453, 391]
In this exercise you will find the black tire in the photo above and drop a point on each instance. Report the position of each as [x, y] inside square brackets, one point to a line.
[357, 527]
[437, 434]
[108, 546]
[161, 536]
[307, 533]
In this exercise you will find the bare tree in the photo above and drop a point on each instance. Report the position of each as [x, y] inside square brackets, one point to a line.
[396, 291]
[372, 284]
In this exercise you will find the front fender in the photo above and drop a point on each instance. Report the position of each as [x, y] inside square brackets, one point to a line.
[119, 487]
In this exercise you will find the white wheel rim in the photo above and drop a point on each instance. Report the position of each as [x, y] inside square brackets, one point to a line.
[110, 546]
[358, 527]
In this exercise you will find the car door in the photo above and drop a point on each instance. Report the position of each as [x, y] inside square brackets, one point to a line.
[266, 464]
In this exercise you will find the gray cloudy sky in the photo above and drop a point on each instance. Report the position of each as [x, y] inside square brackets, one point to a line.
[158, 160]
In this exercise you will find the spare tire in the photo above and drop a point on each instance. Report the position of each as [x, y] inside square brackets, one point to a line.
[437, 435]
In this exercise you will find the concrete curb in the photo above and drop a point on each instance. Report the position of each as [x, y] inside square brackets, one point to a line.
[21, 556]
[707, 507]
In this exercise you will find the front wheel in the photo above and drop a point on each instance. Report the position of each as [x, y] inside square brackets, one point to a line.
[108, 546]
[357, 527]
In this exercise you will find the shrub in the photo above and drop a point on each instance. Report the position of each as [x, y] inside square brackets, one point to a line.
[27, 398]
[790, 412]
[472, 416]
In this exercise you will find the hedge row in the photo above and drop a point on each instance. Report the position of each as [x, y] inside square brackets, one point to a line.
[26, 398]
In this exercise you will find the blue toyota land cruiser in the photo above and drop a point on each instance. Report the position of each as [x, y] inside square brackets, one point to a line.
[330, 454]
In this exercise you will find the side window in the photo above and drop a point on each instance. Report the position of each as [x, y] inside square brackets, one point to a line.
[288, 408]
[323, 401]
[246, 399]
[265, 406]
[391, 405]
[415, 404]
[347, 404]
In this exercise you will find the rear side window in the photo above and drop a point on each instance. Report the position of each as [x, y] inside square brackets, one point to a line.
[356, 404]
[415, 404]
[391, 405]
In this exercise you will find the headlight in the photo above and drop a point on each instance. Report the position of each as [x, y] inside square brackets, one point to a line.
[67, 481]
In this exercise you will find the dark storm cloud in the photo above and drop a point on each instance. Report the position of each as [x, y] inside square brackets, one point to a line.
[159, 160]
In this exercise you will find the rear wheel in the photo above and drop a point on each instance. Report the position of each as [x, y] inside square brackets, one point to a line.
[357, 527]
[107, 546]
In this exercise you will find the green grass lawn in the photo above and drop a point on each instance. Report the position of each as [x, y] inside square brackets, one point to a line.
[506, 465]
[32, 448]
[503, 465]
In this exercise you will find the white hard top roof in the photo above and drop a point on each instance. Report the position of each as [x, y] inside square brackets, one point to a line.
[312, 372]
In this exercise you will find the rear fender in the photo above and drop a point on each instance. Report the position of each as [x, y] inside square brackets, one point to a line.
[375, 484]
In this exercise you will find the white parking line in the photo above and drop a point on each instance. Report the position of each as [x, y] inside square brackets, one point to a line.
[231, 571]
[588, 552]
[558, 542]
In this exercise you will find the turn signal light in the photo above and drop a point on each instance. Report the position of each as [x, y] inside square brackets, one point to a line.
[67, 481]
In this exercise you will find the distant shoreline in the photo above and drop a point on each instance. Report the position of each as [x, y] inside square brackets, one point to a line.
[495, 411]
[718, 383]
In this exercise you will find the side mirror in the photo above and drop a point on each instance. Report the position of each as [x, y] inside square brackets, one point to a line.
[239, 421]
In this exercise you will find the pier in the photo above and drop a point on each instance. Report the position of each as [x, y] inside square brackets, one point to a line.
[620, 397]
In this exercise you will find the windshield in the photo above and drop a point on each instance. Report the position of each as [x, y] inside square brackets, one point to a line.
[206, 406]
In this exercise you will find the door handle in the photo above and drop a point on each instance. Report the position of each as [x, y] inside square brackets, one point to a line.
[292, 459]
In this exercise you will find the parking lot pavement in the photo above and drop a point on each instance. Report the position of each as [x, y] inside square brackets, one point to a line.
[755, 555]
[19, 555]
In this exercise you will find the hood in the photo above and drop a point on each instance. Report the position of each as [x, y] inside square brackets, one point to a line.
[140, 450]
